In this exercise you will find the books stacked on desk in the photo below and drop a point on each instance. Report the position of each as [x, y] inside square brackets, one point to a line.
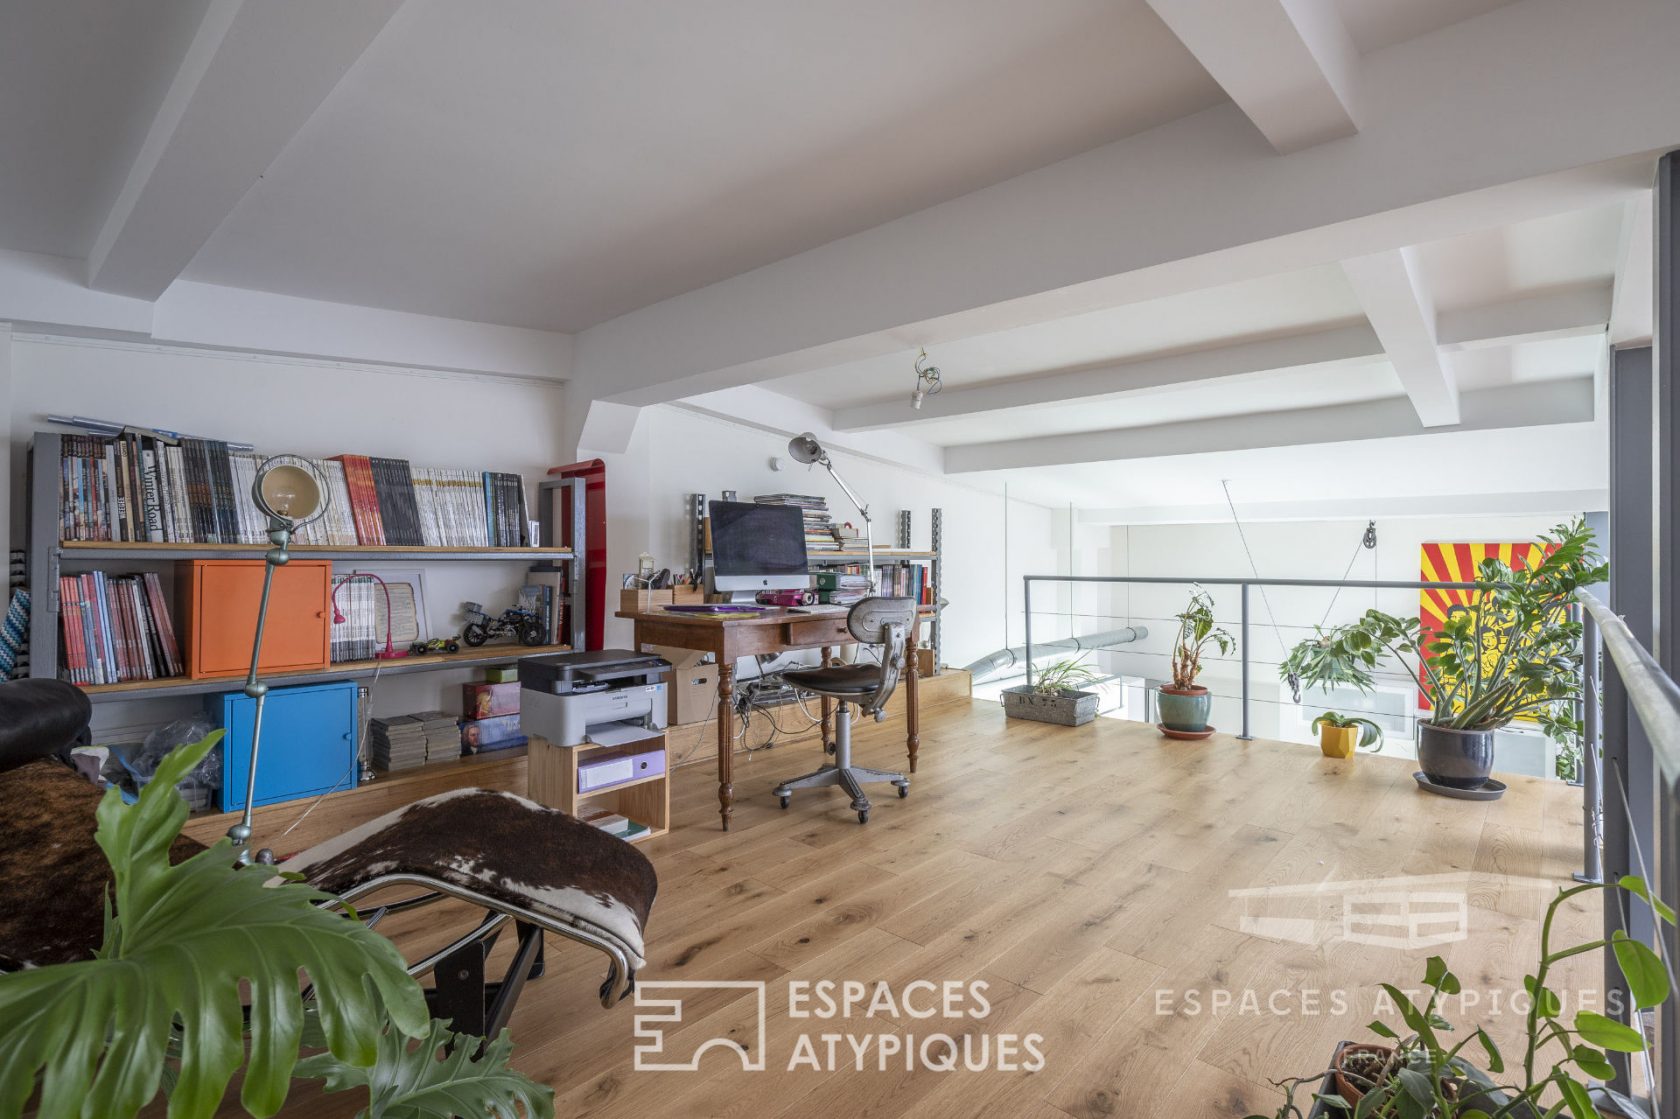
[115, 628]
[406, 741]
[144, 487]
[819, 526]
[618, 826]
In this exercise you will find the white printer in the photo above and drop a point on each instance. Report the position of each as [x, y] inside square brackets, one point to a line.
[607, 697]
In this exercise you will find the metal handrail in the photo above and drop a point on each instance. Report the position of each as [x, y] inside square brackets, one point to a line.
[1652, 692]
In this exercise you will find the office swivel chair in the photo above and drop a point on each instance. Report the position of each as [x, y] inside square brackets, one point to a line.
[874, 621]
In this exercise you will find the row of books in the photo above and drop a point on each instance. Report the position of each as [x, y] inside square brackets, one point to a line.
[914, 580]
[361, 633]
[148, 488]
[116, 628]
[819, 526]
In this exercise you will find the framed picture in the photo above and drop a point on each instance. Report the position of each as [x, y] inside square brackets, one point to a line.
[408, 604]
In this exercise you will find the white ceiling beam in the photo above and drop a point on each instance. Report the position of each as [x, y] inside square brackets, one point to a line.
[1634, 302]
[1552, 402]
[1459, 130]
[1567, 313]
[253, 74]
[783, 416]
[1390, 288]
[1563, 314]
[1359, 509]
[1288, 64]
[1339, 344]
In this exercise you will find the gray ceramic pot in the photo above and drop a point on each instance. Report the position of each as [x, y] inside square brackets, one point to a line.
[1185, 709]
[1458, 759]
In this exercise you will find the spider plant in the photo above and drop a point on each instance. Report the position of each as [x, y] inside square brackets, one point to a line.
[1062, 677]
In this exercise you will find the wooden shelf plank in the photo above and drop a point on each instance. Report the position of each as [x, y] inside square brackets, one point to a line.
[345, 670]
[110, 549]
[621, 785]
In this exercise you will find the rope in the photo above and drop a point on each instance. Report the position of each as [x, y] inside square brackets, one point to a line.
[1225, 484]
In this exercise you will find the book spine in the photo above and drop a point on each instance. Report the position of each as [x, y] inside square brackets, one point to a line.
[69, 626]
[165, 625]
[151, 498]
[135, 481]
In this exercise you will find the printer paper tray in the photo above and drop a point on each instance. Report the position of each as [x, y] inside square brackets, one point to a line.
[620, 734]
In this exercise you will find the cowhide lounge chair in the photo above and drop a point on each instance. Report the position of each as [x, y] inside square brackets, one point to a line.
[515, 860]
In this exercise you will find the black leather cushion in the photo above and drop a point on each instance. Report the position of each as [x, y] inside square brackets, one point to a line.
[844, 679]
[40, 718]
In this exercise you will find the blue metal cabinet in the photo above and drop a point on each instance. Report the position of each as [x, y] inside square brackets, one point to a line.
[308, 742]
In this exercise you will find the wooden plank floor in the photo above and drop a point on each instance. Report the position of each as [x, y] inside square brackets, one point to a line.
[1083, 874]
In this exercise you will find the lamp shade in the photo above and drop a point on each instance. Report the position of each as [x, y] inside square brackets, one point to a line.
[805, 448]
[288, 489]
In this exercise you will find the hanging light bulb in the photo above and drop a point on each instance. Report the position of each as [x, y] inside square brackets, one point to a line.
[927, 380]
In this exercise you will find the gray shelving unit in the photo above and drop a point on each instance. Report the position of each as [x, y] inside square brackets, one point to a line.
[48, 556]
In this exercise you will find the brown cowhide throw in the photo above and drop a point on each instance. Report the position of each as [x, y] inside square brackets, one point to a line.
[505, 847]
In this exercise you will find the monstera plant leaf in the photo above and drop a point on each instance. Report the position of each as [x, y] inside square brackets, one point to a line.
[94, 1034]
[414, 1082]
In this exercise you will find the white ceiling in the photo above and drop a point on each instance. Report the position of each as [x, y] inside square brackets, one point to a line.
[562, 163]
[1502, 261]
[1375, 24]
[1274, 305]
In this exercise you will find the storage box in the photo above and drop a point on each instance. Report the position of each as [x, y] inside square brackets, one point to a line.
[924, 662]
[638, 599]
[693, 692]
[602, 773]
[308, 742]
[691, 595]
[218, 600]
[498, 732]
[483, 701]
[502, 674]
[679, 658]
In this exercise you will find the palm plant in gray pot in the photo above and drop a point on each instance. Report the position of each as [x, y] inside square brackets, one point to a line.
[1515, 653]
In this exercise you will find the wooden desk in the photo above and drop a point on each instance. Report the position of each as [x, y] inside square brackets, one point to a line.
[770, 631]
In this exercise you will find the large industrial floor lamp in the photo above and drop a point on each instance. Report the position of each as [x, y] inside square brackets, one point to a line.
[290, 493]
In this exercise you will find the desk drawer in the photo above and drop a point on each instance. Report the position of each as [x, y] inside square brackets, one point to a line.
[819, 631]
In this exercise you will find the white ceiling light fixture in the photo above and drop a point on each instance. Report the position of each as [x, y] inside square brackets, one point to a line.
[927, 380]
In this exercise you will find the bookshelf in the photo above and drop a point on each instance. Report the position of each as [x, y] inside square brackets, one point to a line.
[700, 558]
[49, 556]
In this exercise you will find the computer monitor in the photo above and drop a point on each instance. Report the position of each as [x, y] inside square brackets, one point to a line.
[758, 547]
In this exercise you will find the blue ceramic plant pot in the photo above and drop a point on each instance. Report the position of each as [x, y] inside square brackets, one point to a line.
[1185, 709]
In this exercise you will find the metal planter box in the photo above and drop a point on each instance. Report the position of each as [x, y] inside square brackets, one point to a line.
[1068, 708]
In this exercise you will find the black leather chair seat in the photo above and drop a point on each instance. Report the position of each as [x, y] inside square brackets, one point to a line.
[846, 679]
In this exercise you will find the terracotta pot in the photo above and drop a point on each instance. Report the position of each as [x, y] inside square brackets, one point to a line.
[1184, 708]
[1345, 1087]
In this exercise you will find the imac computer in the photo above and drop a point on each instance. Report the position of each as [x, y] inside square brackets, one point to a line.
[757, 548]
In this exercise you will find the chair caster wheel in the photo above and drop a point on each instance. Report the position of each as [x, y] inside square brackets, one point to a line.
[863, 817]
[903, 791]
[786, 801]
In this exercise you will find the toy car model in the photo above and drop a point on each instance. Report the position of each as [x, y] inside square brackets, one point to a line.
[435, 645]
[523, 625]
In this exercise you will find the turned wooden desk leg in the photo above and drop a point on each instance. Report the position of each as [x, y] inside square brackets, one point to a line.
[827, 710]
[912, 703]
[726, 740]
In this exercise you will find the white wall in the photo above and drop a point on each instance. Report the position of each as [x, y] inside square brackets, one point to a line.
[311, 408]
[675, 452]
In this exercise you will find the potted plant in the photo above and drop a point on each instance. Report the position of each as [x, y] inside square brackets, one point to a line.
[157, 1011]
[1517, 654]
[1183, 704]
[1055, 697]
[1340, 735]
[1428, 1074]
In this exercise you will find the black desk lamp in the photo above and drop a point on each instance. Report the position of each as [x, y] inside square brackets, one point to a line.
[805, 448]
[291, 493]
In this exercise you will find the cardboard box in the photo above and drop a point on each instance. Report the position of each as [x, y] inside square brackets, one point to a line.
[693, 692]
[679, 658]
[924, 662]
[640, 599]
[484, 701]
[497, 733]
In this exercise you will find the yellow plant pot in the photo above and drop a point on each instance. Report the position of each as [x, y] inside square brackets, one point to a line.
[1338, 742]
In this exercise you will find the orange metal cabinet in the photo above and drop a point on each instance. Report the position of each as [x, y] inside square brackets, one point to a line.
[219, 599]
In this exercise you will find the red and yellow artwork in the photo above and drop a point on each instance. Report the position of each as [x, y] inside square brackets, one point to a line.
[1460, 563]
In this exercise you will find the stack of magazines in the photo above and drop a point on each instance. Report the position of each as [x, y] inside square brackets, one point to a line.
[819, 526]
